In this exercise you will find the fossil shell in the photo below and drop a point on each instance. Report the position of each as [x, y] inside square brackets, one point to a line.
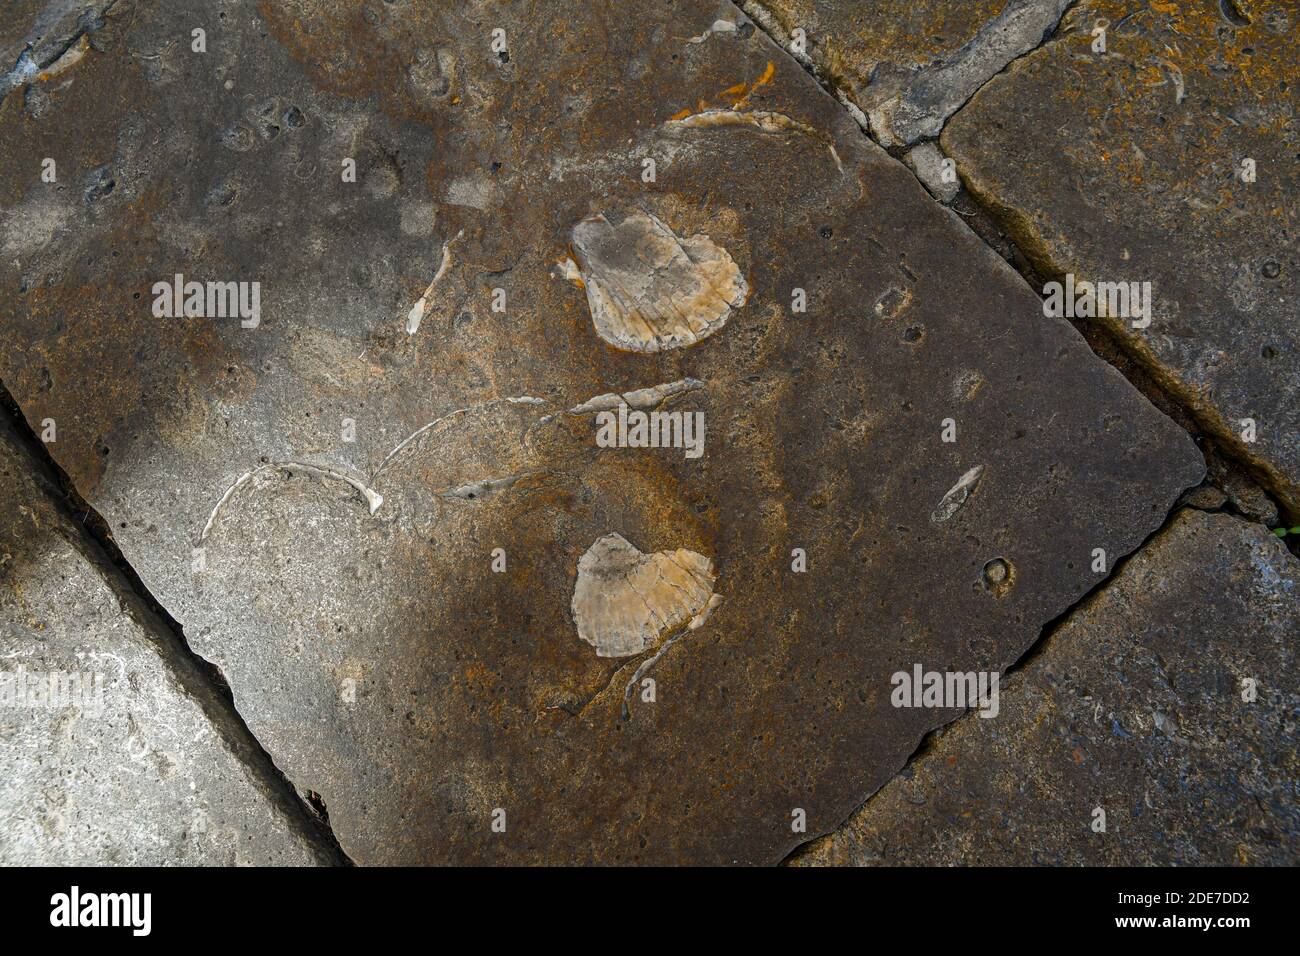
[626, 602]
[649, 290]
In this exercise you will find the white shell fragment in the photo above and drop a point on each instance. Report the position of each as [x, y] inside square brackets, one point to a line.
[641, 398]
[719, 26]
[957, 495]
[416, 315]
[763, 120]
[626, 602]
[648, 289]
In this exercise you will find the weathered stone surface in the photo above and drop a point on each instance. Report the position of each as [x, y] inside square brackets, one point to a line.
[122, 763]
[906, 66]
[1136, 706]
[373, 649]
[42, 38]
[1127, 166]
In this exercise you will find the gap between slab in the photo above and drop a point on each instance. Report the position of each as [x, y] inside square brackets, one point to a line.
[200, 677]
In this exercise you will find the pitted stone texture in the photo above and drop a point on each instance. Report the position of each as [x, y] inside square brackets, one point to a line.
[1134, 705]
[1127, 165]
[907, 65]
[379, 657]
[128, 769]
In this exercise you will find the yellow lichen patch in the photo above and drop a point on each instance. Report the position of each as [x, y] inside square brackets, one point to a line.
[763, 80]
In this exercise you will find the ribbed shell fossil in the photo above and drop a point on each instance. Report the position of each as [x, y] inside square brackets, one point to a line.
[649, 290]
[626, 601]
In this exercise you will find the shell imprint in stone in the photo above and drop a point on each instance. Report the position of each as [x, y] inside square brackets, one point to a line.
[649, 290]
[626, 601]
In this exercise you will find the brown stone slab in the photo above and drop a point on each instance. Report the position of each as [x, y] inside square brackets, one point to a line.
[1136, 706]
[369, 644]
[1127, 166]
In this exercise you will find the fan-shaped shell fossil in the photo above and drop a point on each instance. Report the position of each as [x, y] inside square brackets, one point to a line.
[649, 290]
[626, 601]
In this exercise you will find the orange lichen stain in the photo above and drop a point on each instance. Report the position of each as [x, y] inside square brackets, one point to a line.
[737, 94]
[1164, 7]
[763, 80]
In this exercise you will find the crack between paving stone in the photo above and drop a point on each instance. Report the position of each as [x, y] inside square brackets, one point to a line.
[1143, 372]
[835, 84]
[1047, 40]
[1031, 653]
[764, 20]
[200, 678]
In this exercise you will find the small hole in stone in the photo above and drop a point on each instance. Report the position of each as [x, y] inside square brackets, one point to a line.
[999, 576]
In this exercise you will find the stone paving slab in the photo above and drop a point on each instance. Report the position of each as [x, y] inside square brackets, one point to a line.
[118, 761]
[1115, 151]
[1136, 706]
[370, 644]
[1131, 165]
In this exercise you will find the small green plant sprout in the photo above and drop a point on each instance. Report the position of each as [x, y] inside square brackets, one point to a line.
[1283, 532]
